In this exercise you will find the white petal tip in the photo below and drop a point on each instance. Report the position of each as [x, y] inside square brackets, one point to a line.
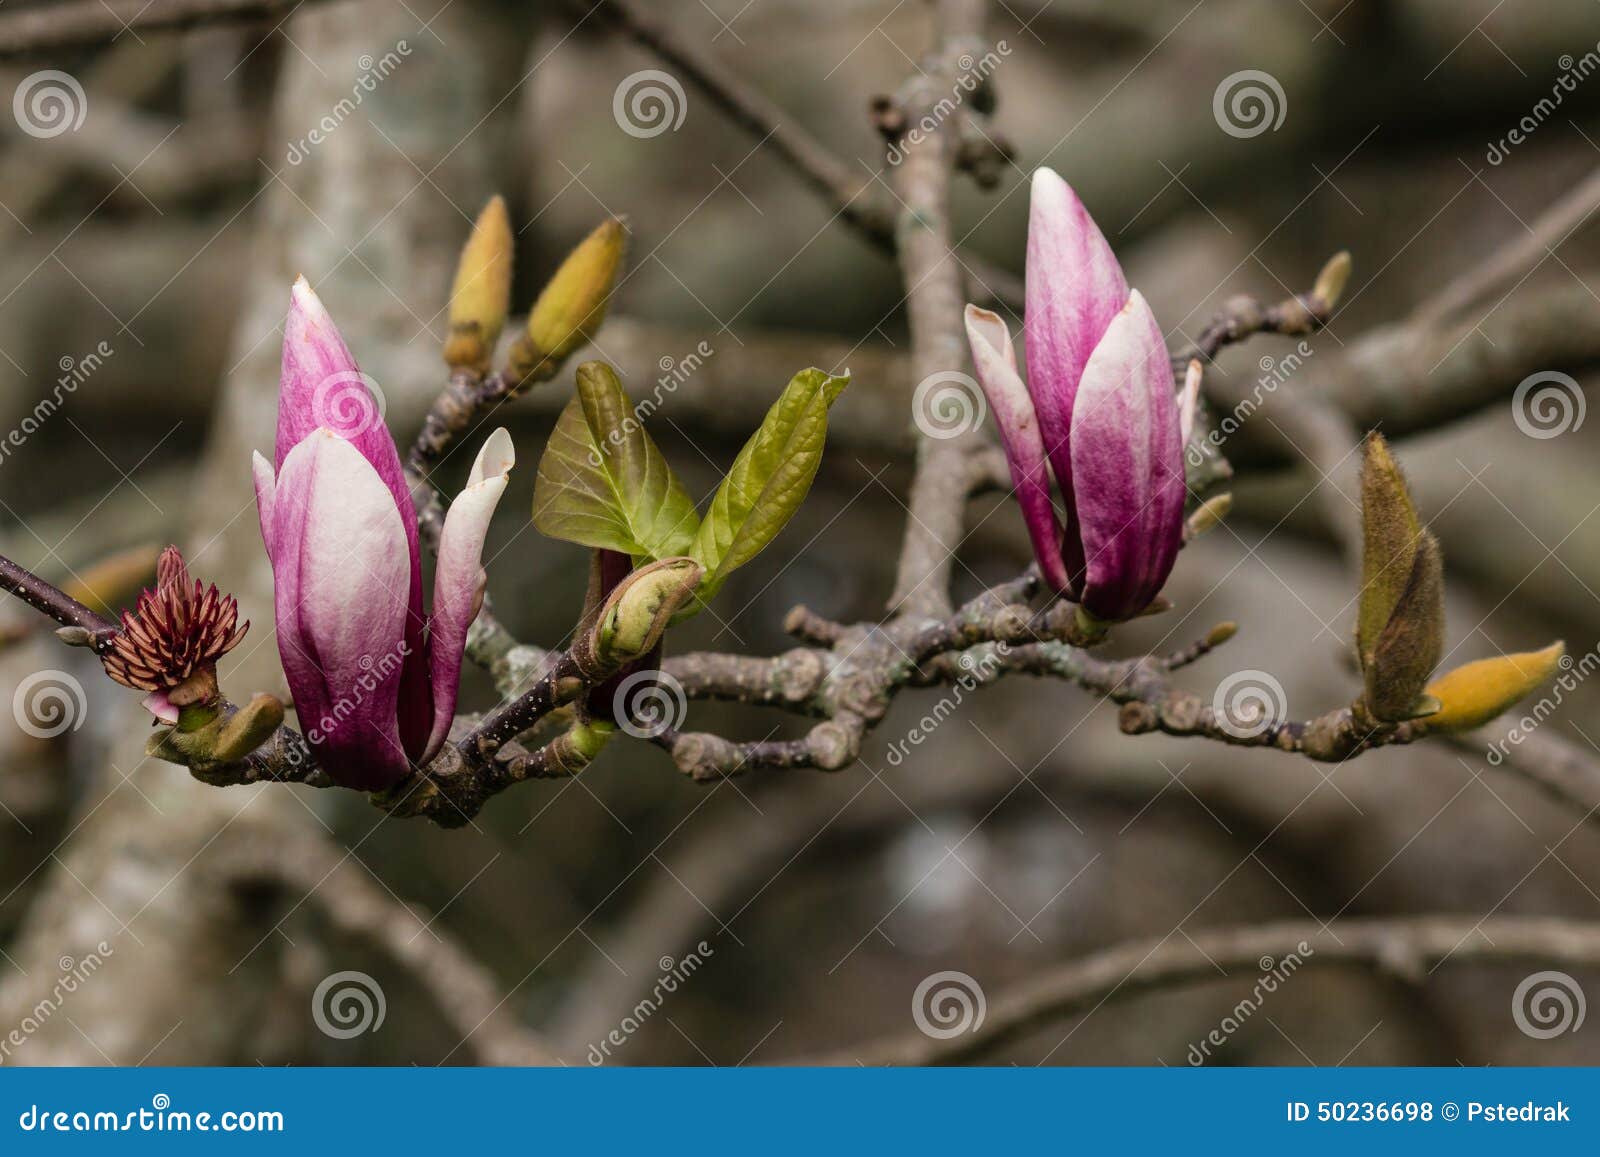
[495, 458]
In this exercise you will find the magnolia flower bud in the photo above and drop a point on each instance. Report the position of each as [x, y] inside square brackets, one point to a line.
[481, 294]
[1400, 621]
[572, 304]
[1208, 515]
[1475, 693]
[1331, 281]
[636, 614]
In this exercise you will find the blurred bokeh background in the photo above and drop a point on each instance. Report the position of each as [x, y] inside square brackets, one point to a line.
[148, 252]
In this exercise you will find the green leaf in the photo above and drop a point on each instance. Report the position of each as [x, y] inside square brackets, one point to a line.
[768, 480]
[603, 483]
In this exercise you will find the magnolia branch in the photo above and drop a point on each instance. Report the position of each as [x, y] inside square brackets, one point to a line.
[845, 678]
[1406, 948]
[848, 193]
[82, 24]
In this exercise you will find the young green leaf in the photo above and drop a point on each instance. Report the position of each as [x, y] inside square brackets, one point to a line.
[603, 483]
[768, 480]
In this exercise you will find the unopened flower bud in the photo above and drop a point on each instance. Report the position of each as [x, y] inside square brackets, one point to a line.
[1475, 693]
[1407, 649]
[481, 294]
[1207, 515]
[1331, 281]
[637, 612]
[571, 306]
[1400, 620]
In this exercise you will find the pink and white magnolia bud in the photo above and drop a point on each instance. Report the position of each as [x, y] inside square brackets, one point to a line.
[1098, 407]
[374, 682]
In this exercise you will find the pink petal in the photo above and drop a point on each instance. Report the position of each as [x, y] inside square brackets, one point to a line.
[160, 706]
[996, 363]
[340, 569]
[458, 580]
[1128, 457]
[266, 486]
[1074, 288]
[322, 387]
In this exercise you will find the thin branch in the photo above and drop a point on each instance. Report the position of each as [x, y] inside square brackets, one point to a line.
[931, 274]
[848, 192]
[1402, 947]
[79, 24]
[1565, 771]
[462, 988]
[1517, 258]
[57, 604]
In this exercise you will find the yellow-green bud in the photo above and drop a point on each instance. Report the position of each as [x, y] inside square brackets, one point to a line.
[1475, 693]
[571, 306]
[1208, 515]
[1332, 280]
[481, 294]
